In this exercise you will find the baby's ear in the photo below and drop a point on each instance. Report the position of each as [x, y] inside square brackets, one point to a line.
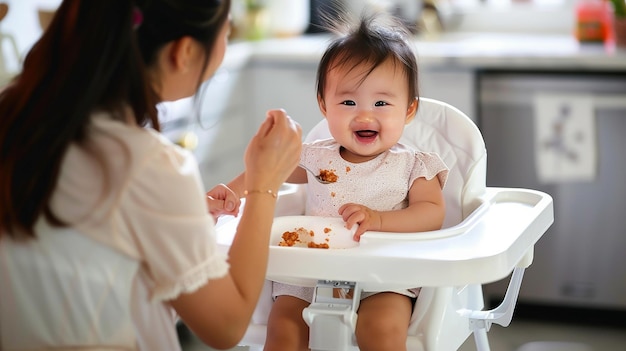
[412, 110]
[322, 105]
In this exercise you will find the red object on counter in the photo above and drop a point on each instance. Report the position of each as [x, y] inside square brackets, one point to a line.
[594, 21]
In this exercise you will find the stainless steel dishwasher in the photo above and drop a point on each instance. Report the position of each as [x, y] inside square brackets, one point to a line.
[564, 134]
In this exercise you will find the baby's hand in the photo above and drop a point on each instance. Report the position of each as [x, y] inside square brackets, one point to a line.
[221, 200]
[367, 218]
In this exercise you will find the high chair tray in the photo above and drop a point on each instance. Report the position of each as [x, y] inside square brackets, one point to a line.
[485, 247]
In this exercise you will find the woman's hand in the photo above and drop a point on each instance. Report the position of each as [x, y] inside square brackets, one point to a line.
[273, 153]
[221, 200]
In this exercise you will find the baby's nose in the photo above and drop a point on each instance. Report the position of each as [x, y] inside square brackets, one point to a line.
[365, 114]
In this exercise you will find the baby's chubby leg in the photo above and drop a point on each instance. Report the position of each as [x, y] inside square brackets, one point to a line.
[383, 322]
[286, 330]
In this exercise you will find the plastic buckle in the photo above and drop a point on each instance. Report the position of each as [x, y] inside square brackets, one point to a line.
[331, 317]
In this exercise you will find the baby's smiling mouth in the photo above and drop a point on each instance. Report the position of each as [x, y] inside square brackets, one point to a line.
[367, 134]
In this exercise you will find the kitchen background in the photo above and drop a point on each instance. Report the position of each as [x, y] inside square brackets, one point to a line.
[549, 98]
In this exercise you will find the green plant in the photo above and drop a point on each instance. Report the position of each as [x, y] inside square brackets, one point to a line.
[619, 8]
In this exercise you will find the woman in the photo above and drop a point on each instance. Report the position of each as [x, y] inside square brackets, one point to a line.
[105, 231]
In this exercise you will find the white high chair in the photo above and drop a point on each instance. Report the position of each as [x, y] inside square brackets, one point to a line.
[488, 233]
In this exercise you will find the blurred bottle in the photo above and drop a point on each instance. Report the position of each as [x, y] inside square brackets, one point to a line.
[594, 21]
[250, 19]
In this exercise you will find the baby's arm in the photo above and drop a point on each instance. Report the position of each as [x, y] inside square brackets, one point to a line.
[425, 212]
[298, 176]
[237, 184]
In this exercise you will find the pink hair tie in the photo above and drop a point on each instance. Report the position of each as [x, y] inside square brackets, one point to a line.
[137, 17]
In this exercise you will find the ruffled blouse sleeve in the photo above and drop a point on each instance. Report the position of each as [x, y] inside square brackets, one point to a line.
[165, 210]
[429, 165]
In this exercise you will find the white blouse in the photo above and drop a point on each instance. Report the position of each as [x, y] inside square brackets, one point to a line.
[140, 234]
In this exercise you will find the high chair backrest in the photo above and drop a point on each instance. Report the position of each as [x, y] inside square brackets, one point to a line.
[441, 128]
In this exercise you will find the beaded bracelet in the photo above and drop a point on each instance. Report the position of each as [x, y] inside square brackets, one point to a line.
[269, 191]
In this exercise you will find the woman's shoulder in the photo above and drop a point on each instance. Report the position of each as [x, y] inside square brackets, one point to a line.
[131, 135]
[137, 144]
[145, 165]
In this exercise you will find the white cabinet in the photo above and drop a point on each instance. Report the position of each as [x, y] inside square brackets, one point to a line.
[225, 127]
[290, 85]
[454, 85]
[218, 116]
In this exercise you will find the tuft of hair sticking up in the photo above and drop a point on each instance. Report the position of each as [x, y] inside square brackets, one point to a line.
[370, 39]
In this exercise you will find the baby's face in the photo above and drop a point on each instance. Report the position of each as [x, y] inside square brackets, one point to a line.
[367, 114]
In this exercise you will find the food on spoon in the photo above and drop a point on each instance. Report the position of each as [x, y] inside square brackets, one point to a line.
[328, 175]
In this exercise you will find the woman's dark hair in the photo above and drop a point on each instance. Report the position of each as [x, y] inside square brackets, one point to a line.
[93, 56]
[374, 39]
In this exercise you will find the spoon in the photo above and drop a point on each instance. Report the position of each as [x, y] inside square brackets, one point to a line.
[317, 177]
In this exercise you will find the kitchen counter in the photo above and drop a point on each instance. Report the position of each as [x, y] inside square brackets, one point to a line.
[464, 50]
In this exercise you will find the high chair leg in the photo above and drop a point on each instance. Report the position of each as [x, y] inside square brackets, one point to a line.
[480, 321]
[331, 317]
[481, 340]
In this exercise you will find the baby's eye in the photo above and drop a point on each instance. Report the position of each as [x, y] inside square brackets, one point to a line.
[381, 103]
[348, 103]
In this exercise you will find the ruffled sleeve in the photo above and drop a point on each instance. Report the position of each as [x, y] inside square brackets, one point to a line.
[429, 165]
[166, 214]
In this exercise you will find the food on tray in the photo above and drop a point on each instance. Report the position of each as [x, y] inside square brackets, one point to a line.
[289, 239]
[328, 175]
[313, 245]
[299, 235]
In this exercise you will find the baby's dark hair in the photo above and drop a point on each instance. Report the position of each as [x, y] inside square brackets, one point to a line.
[374, 39]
